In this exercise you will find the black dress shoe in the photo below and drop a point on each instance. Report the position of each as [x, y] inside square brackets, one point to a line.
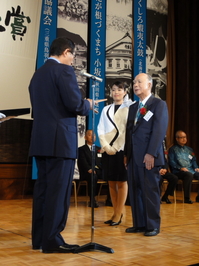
[188, 201]
[70, 245]
[153, 232]
[135, 229]
[197, 198]
[65, 248]
[116, 223]
[36, 247]
[166, 200]
[108, 222]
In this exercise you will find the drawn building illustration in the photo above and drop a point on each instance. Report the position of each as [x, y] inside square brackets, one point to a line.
[119, 63]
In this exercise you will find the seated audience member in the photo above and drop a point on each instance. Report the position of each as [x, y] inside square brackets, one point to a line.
[171, 178]
[182, 162]
[172, 182]
[84, 163]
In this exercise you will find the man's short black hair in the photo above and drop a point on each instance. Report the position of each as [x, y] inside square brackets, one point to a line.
[60, 44]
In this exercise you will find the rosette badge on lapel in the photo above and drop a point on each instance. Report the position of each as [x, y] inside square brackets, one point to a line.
[143, 110]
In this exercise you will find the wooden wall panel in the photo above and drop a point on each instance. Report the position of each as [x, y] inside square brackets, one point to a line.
[15, 181]
[15, 164]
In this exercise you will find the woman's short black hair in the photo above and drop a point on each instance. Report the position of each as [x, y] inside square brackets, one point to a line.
[120, 84]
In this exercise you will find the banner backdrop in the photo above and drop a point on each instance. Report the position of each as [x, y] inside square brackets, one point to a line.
[119, 49]
[156, 43]
[150, 40]
[47, 33]
[139, 36]
[72, 22]
[97, 58]
[19, 27]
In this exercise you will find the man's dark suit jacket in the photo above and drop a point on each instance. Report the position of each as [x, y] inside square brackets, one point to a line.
[56, 101]
[55, 110]
[147, 136]
[142, 138]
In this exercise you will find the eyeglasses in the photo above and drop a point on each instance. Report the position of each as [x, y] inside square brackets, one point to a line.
[182, 137]
[74, 55]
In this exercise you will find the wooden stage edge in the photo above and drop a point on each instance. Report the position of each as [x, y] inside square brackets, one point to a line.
[177, 244]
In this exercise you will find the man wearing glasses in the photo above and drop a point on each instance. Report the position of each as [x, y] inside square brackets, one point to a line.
[56, 101]
[183, 164]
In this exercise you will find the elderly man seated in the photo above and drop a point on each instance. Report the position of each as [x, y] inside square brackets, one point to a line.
[182, 162]
[172, 182]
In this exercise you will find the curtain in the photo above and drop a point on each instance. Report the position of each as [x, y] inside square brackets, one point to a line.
[183, 70]
[171, 74]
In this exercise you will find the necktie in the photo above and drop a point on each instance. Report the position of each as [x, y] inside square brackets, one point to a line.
[138, 115]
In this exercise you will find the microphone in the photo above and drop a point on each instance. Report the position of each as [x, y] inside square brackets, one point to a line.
[83, 73]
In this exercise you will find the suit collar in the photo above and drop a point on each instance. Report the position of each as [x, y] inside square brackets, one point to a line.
[89, 146]
[146, 99]
[149, 101]
[147, 104]
[55, 59]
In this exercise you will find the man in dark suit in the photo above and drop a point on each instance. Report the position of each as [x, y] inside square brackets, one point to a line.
[84, 163]
[56, 101]
[144, 155]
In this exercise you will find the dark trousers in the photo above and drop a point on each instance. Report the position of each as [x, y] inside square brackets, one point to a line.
[89, 178]
[172, 182]
[196, 176]
[144, 195]
[90, 188]
[186, 178]
[51, 201]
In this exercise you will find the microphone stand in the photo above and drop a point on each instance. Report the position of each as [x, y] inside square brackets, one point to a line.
[92, 245]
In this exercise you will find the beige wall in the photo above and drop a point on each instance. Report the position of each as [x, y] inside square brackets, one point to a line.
[18, 57]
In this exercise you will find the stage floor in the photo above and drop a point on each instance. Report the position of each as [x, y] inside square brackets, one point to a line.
[177, 244]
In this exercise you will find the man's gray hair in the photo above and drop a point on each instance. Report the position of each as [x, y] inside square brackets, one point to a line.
[150, 79]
